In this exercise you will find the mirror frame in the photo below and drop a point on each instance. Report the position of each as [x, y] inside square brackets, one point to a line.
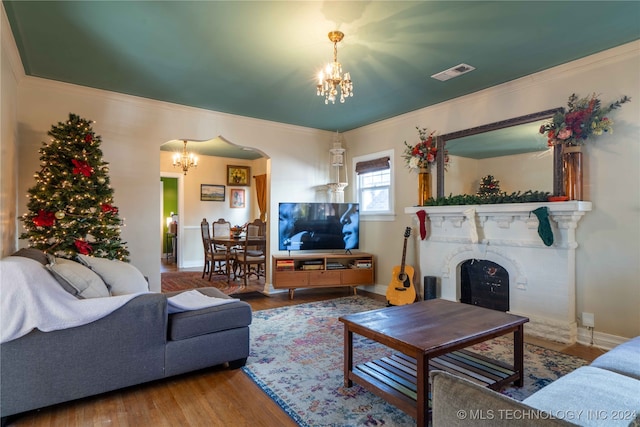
[441, 141]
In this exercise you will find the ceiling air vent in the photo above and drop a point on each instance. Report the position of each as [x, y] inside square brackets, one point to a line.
[452, 72]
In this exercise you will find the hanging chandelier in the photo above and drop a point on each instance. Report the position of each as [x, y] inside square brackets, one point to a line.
[331, 78]
[185, 160]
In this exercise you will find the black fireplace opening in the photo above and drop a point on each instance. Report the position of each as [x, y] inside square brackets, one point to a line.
[485, 284]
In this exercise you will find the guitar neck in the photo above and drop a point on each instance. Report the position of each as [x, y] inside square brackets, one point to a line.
[404, 255]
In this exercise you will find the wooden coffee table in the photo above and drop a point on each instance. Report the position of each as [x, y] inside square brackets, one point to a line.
[430, 335]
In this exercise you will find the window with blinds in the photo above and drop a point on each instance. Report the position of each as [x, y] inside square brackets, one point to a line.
[373, 183]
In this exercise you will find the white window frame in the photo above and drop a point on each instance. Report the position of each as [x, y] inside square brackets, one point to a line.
[378, 215]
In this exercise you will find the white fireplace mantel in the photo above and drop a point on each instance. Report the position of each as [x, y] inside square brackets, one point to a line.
[541, 278]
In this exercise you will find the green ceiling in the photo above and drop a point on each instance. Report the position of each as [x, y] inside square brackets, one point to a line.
[259, 58]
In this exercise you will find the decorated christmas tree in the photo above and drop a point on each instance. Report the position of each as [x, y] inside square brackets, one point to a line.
[71, 207]
[488, 185]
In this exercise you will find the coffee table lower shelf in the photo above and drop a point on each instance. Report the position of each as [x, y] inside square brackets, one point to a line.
[394, 377]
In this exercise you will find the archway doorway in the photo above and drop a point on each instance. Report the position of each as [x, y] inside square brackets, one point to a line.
[211, 172]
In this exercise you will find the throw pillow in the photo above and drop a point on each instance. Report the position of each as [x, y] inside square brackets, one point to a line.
[122, 278]
[77, 279]
[34, 254]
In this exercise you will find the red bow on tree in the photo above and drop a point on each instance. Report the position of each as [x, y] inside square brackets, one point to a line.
[88, 137]
[107, 208]
[44, 219]
[83, 247]
[82, 167]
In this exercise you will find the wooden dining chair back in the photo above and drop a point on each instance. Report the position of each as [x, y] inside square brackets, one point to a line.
[252, 259]
[213, 261]
[221, 228]
[256, 228]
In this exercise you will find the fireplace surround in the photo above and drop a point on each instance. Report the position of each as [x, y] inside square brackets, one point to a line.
[542, 279]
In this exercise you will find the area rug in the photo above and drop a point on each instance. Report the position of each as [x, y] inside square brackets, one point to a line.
[296, 358]
[186, 280]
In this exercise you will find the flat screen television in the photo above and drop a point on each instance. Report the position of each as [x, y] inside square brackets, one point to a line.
[318, 226]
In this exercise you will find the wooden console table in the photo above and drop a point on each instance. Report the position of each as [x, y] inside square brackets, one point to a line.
[430, 334]
[322, 270]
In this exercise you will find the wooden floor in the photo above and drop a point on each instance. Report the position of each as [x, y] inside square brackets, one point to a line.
[211, 397]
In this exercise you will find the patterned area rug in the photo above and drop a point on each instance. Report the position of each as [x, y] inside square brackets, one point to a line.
[296, 358]
[186, 280]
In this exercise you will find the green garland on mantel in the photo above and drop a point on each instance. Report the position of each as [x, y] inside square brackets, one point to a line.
[528, 196]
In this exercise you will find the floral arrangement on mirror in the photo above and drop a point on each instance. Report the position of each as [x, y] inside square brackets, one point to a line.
[424, 153]
[585, 117]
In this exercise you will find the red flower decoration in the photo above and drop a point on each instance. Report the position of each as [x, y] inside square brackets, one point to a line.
[88, 138]
[584, 117]
[423, 154]
[83, 247]
[44, 219]
[82, 168]
[107, 208]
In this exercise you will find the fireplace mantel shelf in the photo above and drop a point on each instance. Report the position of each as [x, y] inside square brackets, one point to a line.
[504, 208]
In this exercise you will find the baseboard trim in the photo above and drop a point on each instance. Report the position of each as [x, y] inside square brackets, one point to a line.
[600, 339]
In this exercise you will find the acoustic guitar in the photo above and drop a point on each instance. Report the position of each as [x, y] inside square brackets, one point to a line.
[401, 290]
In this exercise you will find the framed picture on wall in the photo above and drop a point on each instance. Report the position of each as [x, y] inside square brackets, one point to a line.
[212, 193]
[238, 175]
[236, 199]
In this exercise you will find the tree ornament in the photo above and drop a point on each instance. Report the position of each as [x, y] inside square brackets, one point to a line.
[60, 214]
[83, 247]
[101, 180]
[82, 167]
[44, 219]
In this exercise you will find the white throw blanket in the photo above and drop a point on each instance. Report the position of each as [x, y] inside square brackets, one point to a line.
[194, 300]
[30, 298]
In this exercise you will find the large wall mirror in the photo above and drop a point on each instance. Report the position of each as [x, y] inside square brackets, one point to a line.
[512, 151]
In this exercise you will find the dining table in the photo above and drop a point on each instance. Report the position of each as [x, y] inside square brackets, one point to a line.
[233, 243]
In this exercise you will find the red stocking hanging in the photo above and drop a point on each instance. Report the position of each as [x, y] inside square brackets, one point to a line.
[422, 215]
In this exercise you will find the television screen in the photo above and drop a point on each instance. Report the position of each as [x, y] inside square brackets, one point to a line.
[313, 226]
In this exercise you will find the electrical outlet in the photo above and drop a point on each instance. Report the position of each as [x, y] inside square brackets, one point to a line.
[588, 320]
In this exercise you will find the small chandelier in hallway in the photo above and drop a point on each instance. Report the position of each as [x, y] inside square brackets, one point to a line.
[331, 78]
[185, 160]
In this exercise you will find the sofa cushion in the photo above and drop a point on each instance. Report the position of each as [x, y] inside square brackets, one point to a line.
[189, 324]
[623, 359]
[592, 396]
[34, 254]
[77, 279]
[122, 278]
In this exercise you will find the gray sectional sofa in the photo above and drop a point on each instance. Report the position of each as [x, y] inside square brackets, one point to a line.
[605, 393]
[136, 343]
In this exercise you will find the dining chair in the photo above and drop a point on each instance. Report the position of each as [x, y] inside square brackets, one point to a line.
[258, 228]
[221, 228]
[213, 260]
[252, 259]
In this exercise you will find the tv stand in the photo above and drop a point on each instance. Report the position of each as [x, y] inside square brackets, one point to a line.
[322, 271]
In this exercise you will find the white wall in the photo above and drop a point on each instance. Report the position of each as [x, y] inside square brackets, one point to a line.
[608, 258]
